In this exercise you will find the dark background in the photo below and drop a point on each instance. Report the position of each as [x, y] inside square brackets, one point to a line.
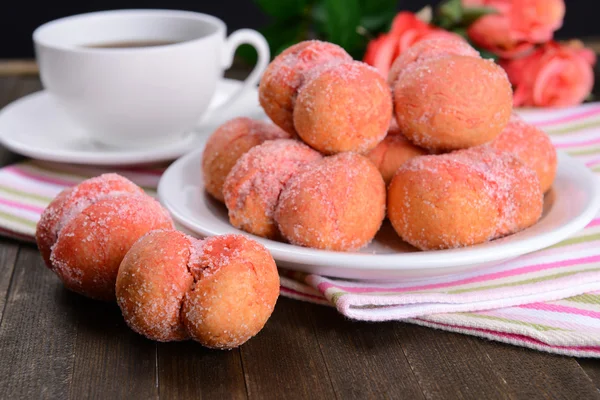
[18, 19]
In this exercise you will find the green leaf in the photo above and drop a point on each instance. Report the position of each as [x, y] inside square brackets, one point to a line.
[472, 14]
[343, 19]
[377, 7]
[377, 23]
[282, 9]
[284, 33]
[377, 15]
[319, 13]
[247, 53]
[449, 13]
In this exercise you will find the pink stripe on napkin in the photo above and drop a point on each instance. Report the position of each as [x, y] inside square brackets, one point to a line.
[21, 206]
[565, 145]
[575, 117]
[562, 309]
[40, 178]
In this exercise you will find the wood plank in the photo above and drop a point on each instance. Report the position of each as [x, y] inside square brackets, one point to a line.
[18, 67]
[37, 335]
[450, 365]
[8, 248]
[111, 361]
[8, 257]
[591, 366]
[8, 93]
[532, 374]
[364, 360]
[8, 85]
[27, 85]
[284, 360]
[189, 371]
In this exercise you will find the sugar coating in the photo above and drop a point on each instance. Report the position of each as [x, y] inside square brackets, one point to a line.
[337, 203]
[426, 49]
[71, 201]
[532, 146]
[236, 288]
[391, 153]
[452, 102]
[152, 281]
[252, 188]
[219, 291]
[346, 107]
[463, 198]
[91, 246]
[286, 73]
[228, 143]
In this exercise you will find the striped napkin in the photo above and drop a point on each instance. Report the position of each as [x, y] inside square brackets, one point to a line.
[548, 300]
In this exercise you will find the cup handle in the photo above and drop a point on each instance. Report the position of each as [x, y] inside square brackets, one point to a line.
[237, 38]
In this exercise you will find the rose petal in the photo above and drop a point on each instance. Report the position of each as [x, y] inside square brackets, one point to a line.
[536, 20]
[406, 40]
[404, 21]
[543, 84]
[383, 54]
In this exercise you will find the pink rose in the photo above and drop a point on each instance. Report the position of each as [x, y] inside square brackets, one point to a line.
[554, 75]
[406, 30]
[517, 25]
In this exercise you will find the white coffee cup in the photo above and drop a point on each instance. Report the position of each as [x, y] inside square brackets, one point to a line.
[140, 96]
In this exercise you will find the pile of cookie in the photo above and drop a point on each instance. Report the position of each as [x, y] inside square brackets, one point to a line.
[435, 146]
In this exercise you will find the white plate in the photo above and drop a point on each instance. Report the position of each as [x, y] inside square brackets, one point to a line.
[36, 126]
[571, 204]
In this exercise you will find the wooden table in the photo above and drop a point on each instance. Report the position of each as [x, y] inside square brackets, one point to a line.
[55, 344]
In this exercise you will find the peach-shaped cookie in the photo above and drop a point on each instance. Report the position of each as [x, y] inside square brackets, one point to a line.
[287, 72]
[346, 107]
[336, 204]
[72, 201]
[228, 143]
[235, 291]
[90, 248]
[463, 198]
[220, 291]
[252, 187]
[426, 49]
[153, 279]
[95, 225]
[452, 102]
[532, 146]
[391, 153]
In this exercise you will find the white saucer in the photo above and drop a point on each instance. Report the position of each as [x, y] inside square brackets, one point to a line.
[571, 204]
[36, 127]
